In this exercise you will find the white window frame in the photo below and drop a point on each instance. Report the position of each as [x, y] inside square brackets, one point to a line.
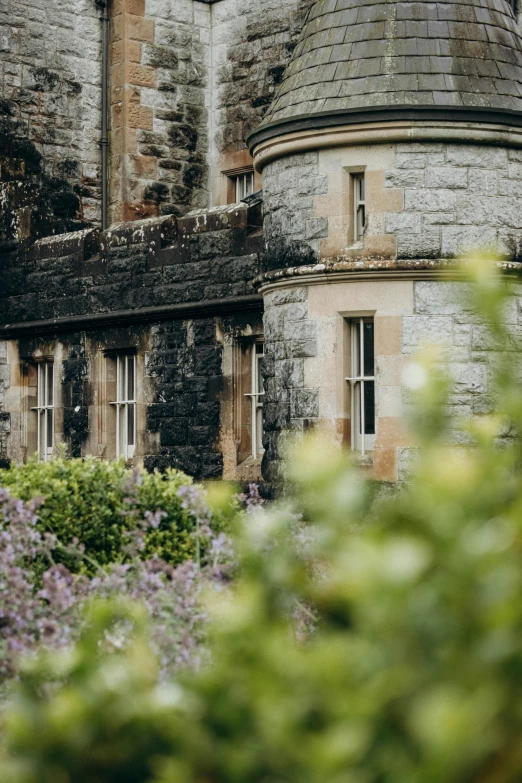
[359, 207]
[256, 396]
[125, 405]
[244, 184]
[360, 441]
[45, 410]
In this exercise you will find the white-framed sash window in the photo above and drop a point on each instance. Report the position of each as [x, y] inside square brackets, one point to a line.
[362, 384]
[125, 405]
[359, 202]
[256, 397]
[45, 410]
[244, 185]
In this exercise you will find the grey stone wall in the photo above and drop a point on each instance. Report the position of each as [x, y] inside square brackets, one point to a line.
[252, 43]
[289, 406]
[179, 139]
[50, 95]
[456, 197]
[292, 231]
[442, 316]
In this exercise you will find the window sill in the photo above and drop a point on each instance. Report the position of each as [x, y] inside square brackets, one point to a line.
[363, 461]
[249, 469]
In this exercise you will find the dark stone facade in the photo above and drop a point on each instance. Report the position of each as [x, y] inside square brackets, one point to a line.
[160, 286]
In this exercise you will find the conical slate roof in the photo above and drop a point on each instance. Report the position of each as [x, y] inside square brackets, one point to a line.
[356, 57]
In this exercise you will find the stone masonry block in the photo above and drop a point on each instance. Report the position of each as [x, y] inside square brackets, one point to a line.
[484, 181]
[465, 239]
[429, 200]
[407, 222]
[469, 378]
[304, 404]
[285, 296]
[432, 219]
[5, 376]
[299, 330]
[316, 228]
[303, 348]
[405, 178]
[446, 177]
[411, 160]
[290, 373]
[295, 311]
[419, 330]
[482, 157]
[440, 298]
[424, 245]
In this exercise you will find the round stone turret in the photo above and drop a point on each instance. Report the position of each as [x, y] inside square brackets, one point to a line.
[393, 145]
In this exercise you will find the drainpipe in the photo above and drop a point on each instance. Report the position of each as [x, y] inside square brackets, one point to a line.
[104, 138]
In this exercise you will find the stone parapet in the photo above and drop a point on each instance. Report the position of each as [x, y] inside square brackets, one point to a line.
[133, 266]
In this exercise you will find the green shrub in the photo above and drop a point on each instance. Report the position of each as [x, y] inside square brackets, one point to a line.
[93, 501]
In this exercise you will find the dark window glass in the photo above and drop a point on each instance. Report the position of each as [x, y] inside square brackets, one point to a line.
[369, 408]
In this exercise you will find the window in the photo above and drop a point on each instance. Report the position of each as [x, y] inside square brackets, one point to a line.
[45, 410]
[359, 203]
[256, 397]
[244, 185]
[362, 384]
[125, 405]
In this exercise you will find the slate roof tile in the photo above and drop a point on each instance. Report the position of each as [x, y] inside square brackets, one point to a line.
[371, 53]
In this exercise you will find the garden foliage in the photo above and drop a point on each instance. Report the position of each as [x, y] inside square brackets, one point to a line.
[97, 502]
[42, 606]
[385, 648]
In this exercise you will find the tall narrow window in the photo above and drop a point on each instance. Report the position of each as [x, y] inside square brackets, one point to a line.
[362, 383]
[125, 404]
[256, 398]
[45, 410]
[359, 202]
[244, 185]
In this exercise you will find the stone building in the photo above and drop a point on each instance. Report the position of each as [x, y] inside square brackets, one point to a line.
[225, 221]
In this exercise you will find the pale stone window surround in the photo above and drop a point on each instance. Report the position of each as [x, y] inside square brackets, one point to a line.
[44, 409]
[248, 395]
[361, 382]
[237, 184]
[340, 166]
[125, 404]
[242, 402]
[25, 403]
[101, 438]
[256, 398]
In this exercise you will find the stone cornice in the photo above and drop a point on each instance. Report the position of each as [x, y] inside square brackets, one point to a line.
[385, 129]
[335, 270]
[209, 308]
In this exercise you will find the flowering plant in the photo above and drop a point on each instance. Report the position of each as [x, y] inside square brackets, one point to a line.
[48, 610]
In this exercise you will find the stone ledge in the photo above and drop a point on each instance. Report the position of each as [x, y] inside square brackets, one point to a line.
[219, 218]
[157, 232]
[86, 243]
[368, 268]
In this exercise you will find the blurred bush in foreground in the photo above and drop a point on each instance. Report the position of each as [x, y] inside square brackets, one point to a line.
[383, 645]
